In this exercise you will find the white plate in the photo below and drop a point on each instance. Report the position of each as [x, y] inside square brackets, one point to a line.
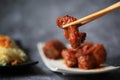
[59, 66]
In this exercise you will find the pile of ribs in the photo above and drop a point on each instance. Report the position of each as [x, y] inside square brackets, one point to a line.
[82, 54]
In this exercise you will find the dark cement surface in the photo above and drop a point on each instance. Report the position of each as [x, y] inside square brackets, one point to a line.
[33, 21]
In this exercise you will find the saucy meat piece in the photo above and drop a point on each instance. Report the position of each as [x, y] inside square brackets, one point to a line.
[87, 62]
[98, 52]
[91, 56]
[53, 49]
[69, 57]
[71, 33]
[65, 20]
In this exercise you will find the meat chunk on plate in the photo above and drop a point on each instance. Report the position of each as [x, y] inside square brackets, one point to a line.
[69, 57]
[90, 57]
[53, 49]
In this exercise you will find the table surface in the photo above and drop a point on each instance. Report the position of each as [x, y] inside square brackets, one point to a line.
[33, 21]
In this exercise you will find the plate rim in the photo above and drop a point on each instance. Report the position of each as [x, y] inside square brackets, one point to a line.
[29, 63]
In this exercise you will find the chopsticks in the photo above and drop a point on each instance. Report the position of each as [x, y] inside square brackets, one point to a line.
[94, 16]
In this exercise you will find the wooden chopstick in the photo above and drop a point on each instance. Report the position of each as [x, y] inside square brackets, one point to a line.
[94, 16]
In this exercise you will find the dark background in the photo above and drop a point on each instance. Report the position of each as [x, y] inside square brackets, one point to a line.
[33, 21]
